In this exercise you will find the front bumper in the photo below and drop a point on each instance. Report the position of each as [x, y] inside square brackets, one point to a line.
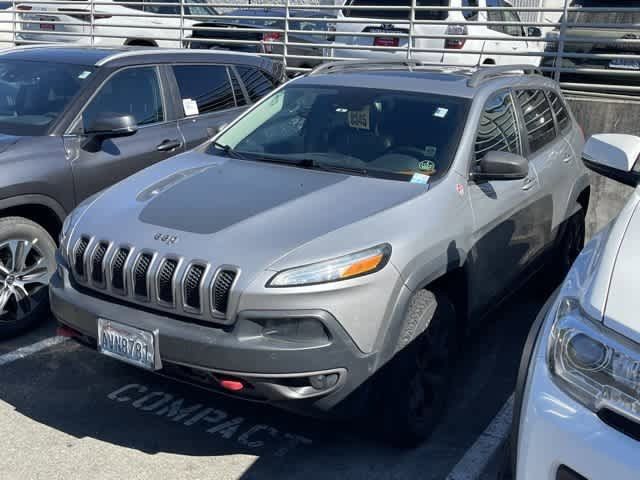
[274, 371]
[553, 431]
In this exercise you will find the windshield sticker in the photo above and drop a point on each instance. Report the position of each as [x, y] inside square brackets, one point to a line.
[190, 106]
[427, 166]
[430, 151]
[84, 74]
[360, 119]
[441, 112]
[420, 178]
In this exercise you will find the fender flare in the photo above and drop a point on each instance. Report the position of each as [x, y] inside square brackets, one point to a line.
[34, 199]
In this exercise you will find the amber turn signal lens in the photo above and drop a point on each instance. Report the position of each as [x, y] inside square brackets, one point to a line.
[362, 266]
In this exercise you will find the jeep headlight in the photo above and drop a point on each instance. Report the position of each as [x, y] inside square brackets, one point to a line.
[353, 265]
[595, 365]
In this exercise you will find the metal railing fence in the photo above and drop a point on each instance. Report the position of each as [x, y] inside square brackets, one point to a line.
[590, 49]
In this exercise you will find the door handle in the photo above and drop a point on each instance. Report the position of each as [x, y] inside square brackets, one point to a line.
[168, 145]
[567, 159]
[528, 183]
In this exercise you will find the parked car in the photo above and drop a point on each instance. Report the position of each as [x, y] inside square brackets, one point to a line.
[141, 23]
[586, 39]
[508, 39]
[324, 252]
[6, 21]
[74, 121]
[576, 409]
[269, 42]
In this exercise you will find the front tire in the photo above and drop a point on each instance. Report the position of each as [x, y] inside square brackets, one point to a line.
[27, 262]
[414, 386]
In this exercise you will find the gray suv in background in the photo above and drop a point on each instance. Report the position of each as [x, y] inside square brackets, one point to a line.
[330, 248]
[74, 121]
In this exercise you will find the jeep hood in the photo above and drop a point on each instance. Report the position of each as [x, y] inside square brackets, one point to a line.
[229, 211]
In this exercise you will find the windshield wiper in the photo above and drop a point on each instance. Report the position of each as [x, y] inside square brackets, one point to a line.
[329, 167]
[229, 151]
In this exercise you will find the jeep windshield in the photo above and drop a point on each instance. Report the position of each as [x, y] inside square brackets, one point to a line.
[33, 94]
[383, 133]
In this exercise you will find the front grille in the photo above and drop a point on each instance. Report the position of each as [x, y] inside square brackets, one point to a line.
[81, 249]
[97, 272]
[117, 269]
[192, 287]
[221, 289]
[178, 286]
[165, 280]
[140, 284]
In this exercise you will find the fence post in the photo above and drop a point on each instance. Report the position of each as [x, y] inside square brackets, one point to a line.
[560, 51]
[13, 23]
[412, 19]
[286, 33]
[181, 24]
[92, 23]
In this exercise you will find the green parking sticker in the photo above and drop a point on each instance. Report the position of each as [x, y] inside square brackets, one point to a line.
[427, 166]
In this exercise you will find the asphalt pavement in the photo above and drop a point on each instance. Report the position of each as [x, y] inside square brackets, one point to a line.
[67, 412]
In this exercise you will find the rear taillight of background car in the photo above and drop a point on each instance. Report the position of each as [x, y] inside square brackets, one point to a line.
[270, 37]
[456, 43]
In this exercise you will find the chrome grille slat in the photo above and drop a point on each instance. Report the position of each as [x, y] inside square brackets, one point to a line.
[221, 289]
[166, 282]
[80, 250]
[191, 287]
[118, 269]
[97, 263]
[140, 272]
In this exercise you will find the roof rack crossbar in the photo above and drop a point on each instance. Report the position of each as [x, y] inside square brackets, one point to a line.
[485, 73]
[340, 65]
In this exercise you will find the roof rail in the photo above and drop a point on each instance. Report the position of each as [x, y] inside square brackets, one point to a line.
[485, 73]
[341, 65]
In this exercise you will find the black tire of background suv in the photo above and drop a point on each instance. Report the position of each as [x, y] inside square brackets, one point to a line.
[430, 321]
[19, 227]
[565, 255]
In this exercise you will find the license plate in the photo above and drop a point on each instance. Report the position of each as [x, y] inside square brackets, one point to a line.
[625, 64]
[47, 26]
[129, 344]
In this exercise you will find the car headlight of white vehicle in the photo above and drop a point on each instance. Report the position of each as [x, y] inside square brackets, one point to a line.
[349, 266]
[595, 365]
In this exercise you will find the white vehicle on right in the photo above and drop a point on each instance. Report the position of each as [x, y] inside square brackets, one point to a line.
[577, 408]
[376, 25]
[136, 23]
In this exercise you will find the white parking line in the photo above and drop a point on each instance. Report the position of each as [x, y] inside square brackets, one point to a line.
[474, 462]
[30, 349]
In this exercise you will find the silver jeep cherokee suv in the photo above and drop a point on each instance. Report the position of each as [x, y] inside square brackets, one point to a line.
[328, 249]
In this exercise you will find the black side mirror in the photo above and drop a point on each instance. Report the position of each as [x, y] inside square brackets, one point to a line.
[534, 32]
[501, 166]
[108, 125]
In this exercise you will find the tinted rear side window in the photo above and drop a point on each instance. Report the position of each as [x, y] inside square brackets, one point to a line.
[537, 118]
[378, 10]
[208, 85]
[498, 129]
[256, 82]
[560, 111]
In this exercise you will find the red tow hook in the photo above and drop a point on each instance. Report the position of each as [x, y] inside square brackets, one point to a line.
[232, 385]
[67, 332]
